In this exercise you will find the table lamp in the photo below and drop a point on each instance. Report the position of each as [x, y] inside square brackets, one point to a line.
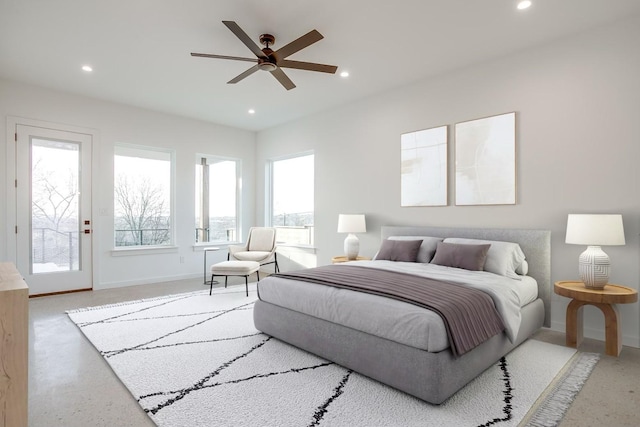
[594, 231]
[351, 224]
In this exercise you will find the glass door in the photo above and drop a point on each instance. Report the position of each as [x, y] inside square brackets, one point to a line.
[53, 190]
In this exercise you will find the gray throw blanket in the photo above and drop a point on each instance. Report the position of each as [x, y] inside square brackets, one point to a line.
[469, 315]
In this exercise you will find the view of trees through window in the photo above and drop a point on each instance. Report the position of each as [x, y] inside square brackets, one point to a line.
[142, 196]
[292, 195]
[54, 205]
[216, 199]
[143, 199]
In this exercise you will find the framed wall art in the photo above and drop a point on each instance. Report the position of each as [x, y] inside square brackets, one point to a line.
[423, 168]
[485, 161]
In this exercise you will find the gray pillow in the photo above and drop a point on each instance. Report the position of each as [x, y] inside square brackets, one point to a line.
[469, 257]
[503, 257]
[399, 250]
[427, 248]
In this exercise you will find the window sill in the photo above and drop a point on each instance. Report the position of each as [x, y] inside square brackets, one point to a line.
[305, 248]
[144, 250]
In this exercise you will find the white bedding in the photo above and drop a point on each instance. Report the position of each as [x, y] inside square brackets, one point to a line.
[395, 320]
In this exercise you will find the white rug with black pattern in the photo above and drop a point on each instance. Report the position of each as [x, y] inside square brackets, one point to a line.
[197, 360]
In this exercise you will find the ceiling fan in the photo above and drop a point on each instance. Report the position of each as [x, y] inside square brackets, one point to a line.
[273, 61]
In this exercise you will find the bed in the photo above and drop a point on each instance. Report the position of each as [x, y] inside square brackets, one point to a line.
[430, 370]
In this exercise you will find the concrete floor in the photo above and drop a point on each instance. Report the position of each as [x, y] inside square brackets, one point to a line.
[611, 395]
[70, 384]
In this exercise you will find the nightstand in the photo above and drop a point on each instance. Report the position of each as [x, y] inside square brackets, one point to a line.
[606, 300]
[339, 259]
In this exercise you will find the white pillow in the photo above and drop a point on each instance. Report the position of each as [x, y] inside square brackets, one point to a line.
[427, 248]
[503, 258]
[523, 269]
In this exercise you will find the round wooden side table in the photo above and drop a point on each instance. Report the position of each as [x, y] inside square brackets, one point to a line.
[339, 259]
[606, 300]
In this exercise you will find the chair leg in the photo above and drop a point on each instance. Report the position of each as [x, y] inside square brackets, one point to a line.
[211, 287]
[275, 258]
[258, 275]
[246, 284]
[225, 281]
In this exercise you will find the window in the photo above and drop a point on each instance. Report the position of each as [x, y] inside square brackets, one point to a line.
[217, 195]
[291, 210]
[55, 205]
[142, 196]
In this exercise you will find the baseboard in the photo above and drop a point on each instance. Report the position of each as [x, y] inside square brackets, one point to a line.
[146, 281]
[598, 334]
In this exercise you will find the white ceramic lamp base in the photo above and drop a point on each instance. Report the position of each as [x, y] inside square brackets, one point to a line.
[351, 246]
[594, 267]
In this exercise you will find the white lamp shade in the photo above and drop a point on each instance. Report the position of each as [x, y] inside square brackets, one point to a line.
[594, 266]
[351, 223]
[595, 230]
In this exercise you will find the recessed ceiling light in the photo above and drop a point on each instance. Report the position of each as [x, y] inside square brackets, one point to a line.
[251, 111]
[524, 4]
[87, 68]
[344, 74]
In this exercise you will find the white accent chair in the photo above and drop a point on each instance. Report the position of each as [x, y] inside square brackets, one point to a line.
[260, 247]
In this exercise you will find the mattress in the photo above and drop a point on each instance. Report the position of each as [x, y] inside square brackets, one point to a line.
[394, 320]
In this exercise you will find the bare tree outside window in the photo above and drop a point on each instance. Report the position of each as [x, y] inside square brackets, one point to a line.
[142, 197]
[54, 205]
[54, 202]
[141, 206]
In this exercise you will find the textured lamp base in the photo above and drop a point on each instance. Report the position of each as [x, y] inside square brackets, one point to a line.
[594, 267]
[351, 247]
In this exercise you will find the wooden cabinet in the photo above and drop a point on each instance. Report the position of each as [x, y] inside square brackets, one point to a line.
[14, 344]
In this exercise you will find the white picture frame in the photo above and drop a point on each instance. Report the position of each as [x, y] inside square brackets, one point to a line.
[485, 161]
[423, 167]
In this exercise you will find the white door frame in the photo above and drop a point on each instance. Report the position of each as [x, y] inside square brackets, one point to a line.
[11, 176]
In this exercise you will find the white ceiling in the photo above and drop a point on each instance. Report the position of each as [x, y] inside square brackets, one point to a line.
[139, 49]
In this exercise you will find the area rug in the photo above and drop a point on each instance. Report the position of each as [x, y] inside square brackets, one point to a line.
[197, 360]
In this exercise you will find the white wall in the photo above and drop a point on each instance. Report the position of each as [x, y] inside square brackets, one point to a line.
[117, 123]
[578, 147]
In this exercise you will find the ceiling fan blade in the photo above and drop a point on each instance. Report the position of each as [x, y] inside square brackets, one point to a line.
[210, 55]
[244, 38]
[243, 75]
[310, 66]
[298, 44]
[283, 79]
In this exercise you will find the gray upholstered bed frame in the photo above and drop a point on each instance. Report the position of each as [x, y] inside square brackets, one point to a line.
[432, 377]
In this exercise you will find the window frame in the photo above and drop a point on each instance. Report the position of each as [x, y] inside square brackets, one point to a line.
[142, 249]
[269, 193]
[238, 206]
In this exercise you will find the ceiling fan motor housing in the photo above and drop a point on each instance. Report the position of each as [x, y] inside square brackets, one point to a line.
[269, 62]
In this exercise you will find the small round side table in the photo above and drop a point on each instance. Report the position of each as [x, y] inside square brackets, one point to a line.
[606, 300]
[205, 250]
